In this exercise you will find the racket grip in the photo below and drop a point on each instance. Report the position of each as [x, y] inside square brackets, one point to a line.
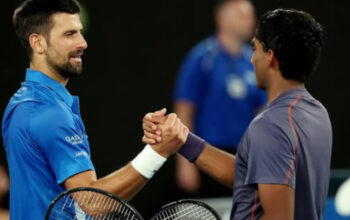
[192, 148]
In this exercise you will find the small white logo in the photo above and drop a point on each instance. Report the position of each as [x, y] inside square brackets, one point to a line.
[236, 87]
[21, 91]
[75, 139]
[81, 153]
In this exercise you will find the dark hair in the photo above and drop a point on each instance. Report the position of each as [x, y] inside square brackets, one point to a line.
[296, 39]
[35, 16]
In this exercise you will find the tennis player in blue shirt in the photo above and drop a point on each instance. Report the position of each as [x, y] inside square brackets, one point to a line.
[44, 137]
[282, 167]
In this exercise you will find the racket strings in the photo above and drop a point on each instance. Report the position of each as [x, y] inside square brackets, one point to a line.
[185, 211]
[86, 205]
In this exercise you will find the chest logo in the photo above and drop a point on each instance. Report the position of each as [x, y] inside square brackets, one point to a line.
[75, 139]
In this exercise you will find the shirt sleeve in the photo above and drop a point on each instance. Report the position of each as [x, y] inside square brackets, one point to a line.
[189, 83]
[66, 147]
[271, 155]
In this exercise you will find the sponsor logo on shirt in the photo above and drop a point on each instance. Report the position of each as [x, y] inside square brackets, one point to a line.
[81, 153]
[75, 139]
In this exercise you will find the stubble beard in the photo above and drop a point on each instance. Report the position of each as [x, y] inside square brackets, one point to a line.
[67, 69]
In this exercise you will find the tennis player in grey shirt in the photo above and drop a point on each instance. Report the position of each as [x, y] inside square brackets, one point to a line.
[282, 166]
[289, 144]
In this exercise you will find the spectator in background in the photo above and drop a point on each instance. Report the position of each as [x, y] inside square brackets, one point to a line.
[215, 94]
[4, 188]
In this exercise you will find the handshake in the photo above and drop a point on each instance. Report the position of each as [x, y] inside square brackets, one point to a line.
[164, 136]
[168, 135]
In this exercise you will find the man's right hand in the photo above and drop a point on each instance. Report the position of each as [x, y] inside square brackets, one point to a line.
[166, 134]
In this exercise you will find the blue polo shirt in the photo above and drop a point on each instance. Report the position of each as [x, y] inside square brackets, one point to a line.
[289, 143]
[222, 88]
[45, 143]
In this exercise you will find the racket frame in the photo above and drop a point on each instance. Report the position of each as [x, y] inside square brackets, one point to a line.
[91, 189]
[191, 201]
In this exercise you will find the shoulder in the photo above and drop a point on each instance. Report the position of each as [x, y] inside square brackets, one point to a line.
[207, 46]
[23, 104]
[271, 117]
[32, 93]
[43, 101]
[50, 114]
[48, 121]
[307, 101]
[272, 123]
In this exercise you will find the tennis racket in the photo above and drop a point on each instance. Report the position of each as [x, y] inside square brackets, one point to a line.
[186, 209]
[89, 203]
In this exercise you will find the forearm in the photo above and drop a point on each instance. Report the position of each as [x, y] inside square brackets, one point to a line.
[217, 164]
[185, 111]
[124, 183]
[127, 181]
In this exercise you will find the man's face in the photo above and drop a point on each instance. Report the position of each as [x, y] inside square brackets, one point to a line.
[65, 44]
[261, 62]
[238, 18]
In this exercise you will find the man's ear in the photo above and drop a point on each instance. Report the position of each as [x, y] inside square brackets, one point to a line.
[274, 64]
[37, 43]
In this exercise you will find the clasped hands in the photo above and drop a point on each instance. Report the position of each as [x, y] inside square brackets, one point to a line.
[165, 133]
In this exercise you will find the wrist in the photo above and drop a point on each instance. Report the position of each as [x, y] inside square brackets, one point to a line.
[192, 148]
[160, 150]
[148, 162]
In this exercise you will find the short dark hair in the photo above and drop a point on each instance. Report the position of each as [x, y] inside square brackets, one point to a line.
[35, 16]
[296, 39]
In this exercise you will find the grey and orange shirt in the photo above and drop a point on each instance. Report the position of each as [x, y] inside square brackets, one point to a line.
[289, 143]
